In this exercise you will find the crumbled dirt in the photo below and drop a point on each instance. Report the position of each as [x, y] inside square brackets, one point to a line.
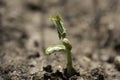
[93, 27]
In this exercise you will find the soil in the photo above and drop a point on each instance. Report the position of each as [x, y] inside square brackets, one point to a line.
[93, 27]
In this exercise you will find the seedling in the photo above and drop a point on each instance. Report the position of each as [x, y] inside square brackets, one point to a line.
[66, 46]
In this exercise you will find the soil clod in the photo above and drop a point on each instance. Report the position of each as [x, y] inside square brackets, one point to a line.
[35, 55]
[48, 68]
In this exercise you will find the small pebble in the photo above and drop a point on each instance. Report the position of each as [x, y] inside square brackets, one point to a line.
[60, 68]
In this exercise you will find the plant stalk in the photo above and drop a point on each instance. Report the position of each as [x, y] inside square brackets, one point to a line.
[68, 48]
[69, 63]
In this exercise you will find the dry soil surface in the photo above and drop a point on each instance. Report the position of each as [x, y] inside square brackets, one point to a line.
[93, 27]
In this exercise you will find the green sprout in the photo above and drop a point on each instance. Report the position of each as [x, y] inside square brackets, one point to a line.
[66, 46]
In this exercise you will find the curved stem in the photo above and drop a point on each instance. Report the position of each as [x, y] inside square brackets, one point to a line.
[68, 48]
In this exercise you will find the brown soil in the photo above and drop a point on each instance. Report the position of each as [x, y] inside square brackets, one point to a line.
[93, 28]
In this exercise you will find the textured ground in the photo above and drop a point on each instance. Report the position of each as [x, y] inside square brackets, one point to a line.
[93, 28]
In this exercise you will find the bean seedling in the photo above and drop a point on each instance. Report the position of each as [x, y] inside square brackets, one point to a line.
[66, 46]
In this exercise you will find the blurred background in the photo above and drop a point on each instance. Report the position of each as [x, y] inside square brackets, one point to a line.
[90, 23]
[93, 27]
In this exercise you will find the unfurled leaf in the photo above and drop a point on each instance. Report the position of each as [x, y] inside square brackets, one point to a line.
[54, 49]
